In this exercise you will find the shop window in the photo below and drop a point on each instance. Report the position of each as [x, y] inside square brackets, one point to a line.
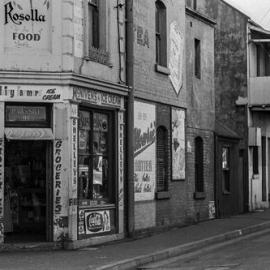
[255, 160]
[226, 169]
[96, 32]
[96, 185]
[199, 179]
[161, 34]
[197, 58]
[162, 159]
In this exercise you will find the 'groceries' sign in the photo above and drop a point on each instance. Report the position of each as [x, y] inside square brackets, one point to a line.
[26, 23]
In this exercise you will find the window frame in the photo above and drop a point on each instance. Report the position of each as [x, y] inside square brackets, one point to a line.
[99, 51]
[197, 58]
[199, 168]
[110, 156]
[164, 186]
[161, 34]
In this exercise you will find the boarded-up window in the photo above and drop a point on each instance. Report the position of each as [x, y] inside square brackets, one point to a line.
[197, 64]
[199, 179]
[162, 159]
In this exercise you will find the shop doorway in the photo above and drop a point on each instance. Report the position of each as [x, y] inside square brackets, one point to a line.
[26, 191]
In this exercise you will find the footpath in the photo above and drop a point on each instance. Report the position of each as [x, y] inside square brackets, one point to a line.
[129, 254]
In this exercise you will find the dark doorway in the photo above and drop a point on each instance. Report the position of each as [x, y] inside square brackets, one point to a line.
[25, 191]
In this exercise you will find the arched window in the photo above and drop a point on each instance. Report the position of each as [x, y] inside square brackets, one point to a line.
[199, 179]
[162, 159]
[161, 34]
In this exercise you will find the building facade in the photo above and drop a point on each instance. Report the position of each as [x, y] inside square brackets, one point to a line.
[62, 129]
[258, 115]
[200, 111]
[241, 71]
[159, 115]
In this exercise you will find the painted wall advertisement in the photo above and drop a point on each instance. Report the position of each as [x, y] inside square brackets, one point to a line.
[178, 144]
[93, 222]
[176, 57]
[27, 24]
[33, 93]
[145, 151]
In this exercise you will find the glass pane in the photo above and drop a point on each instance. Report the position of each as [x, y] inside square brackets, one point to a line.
[100, 179]
[84, 128]
[225, 158]
[84, 120]
[83, 141]
[84, 183]
[100, 134]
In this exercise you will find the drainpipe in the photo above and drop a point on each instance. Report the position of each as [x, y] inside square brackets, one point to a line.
[130, 116]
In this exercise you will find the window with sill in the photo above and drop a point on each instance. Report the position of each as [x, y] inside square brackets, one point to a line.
[96, 32]
[96, 184]
[161, 34]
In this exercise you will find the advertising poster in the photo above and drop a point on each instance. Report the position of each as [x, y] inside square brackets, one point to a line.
[97, 222]
[178, 144]
[176, 57]
[145, 151]
[27, 24]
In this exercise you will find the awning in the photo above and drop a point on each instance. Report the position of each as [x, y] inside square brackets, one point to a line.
[29, 134]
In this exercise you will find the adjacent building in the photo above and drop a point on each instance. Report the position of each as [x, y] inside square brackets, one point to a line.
[160, 179]
[200, 28]
[241, 71]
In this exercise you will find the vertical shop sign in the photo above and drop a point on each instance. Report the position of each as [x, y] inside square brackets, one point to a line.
[58, 164]
[178, 144]
[176, 57]
[121, 160]
[74, 152]
[74, 157]
[145, 151]
[27, 24]
[1, 189]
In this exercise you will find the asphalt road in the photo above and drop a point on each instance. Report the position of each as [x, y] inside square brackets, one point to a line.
[248, 254]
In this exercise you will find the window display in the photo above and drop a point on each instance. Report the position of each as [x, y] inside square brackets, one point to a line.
[94, 155]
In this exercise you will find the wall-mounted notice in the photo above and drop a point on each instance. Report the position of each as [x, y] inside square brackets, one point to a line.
[178, 144]
[27, 24]
[145, 151]
[176, 57]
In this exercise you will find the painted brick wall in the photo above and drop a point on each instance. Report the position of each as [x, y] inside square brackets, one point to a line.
[150, 84]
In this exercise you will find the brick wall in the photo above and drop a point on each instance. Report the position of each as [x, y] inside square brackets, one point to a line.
[198, 209]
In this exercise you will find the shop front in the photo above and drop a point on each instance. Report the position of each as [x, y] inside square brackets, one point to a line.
[100, 164]
[27, 142]
[61, 165]
[27, 175]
